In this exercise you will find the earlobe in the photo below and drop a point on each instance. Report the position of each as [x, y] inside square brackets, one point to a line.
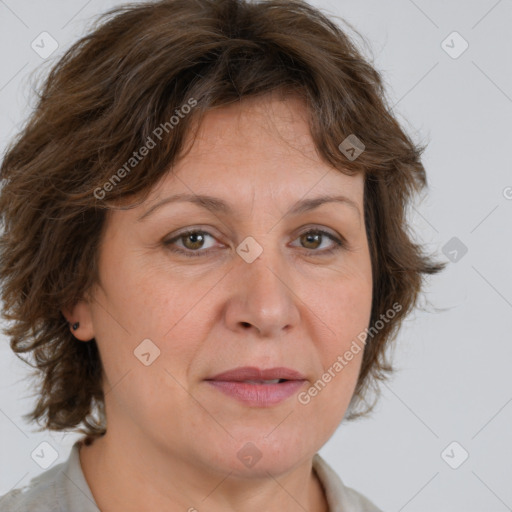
[79, 320]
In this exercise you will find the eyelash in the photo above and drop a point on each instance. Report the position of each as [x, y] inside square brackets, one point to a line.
[339, 244]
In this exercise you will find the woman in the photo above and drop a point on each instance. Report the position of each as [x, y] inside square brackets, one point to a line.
[206, 252]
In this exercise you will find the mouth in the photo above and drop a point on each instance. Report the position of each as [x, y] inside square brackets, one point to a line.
[258, 375]
[256, 387]
[274, 381]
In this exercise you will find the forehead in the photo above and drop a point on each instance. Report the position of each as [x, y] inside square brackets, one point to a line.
[260, 144]
[257, 157]
[255, 121]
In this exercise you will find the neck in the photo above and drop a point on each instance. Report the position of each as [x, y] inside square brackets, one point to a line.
[145, 478]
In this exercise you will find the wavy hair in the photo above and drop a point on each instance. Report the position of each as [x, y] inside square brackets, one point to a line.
[105, 96]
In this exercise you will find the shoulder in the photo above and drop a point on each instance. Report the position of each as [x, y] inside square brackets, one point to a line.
[340, 498]
[38, 495]
[360, 502]
[59, 489]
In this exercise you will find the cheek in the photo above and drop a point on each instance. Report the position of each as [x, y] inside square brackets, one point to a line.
[146, 298]
[343, 309]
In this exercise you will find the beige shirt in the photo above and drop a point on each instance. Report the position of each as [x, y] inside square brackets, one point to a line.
[63, 488]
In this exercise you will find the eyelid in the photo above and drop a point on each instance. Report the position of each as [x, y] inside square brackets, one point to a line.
[187, 231]
[338, 240]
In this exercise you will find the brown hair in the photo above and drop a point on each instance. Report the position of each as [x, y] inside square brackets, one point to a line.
[104, 99]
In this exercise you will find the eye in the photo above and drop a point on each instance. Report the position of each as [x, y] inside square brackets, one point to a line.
[314, 239]
[193, 240]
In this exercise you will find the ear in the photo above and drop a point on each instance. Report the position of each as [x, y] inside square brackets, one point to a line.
[81, 313]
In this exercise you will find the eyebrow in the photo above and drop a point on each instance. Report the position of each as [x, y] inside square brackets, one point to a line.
[215, 204]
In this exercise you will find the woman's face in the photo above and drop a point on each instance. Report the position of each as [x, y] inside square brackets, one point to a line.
[255, 286]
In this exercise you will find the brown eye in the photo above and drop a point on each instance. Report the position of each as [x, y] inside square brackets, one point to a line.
[194, 240]
[190, 243]
[314, 238]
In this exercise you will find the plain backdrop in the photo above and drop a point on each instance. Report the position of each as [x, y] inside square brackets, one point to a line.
[451, 397]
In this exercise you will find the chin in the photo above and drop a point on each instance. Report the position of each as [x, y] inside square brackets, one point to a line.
[250, 456]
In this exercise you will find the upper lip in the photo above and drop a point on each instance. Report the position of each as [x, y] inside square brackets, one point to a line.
[252, 373]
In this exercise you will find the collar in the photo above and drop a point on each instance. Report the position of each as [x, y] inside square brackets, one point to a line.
[339, 497]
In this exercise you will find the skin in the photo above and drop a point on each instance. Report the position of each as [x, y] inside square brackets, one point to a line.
[172, 439]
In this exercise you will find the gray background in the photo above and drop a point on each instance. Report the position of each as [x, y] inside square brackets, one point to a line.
[453, 381]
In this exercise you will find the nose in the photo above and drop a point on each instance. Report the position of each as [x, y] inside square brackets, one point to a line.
[262, 296]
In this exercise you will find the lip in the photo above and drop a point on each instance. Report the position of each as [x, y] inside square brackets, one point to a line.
[253, 373]
[258, 395]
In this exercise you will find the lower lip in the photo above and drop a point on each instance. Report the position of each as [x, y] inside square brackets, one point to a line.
[258, 395]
